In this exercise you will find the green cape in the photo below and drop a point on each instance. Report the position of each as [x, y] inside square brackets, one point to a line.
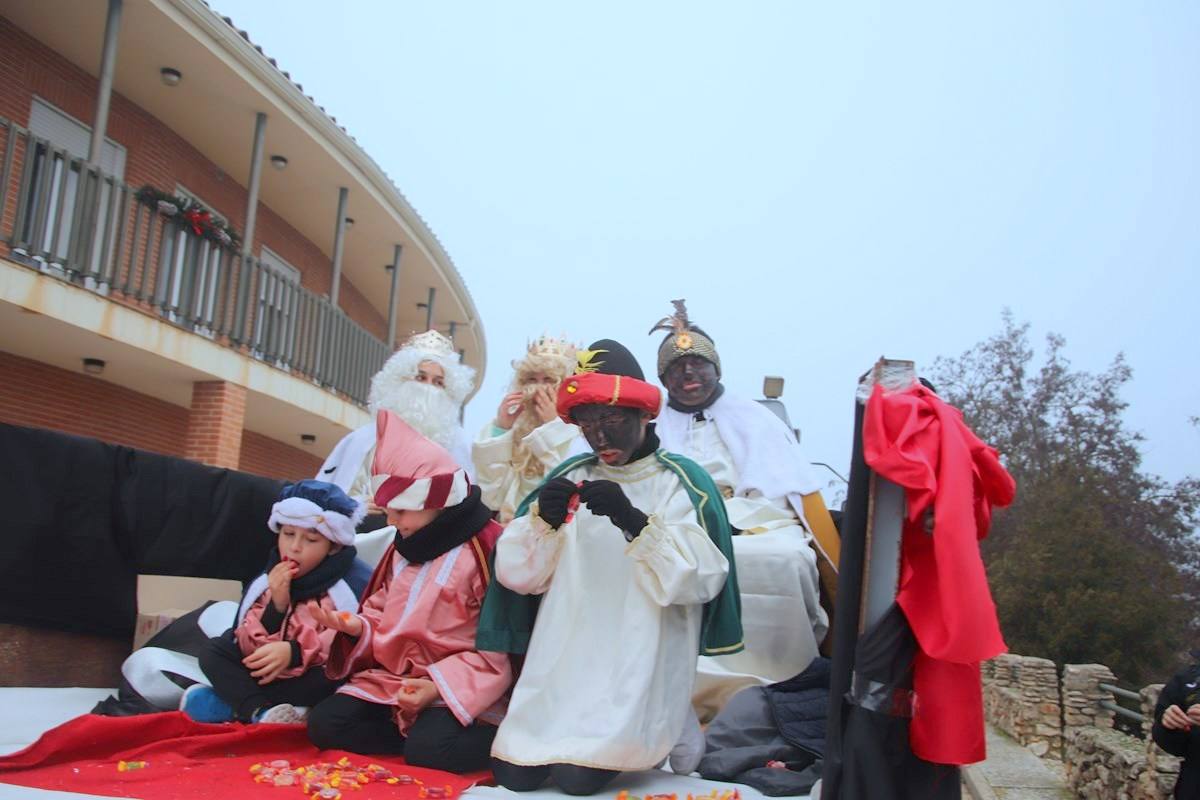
[506, 619]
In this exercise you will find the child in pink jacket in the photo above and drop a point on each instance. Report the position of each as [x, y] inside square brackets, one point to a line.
[416, 684]
[271, 665]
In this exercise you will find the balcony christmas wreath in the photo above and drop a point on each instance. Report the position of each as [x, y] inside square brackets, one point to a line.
[191, 214]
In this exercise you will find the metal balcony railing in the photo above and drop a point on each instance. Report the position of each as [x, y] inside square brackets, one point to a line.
[66, 218]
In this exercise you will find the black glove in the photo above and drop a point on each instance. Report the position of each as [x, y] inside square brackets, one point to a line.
[606, 499]
[552, 500]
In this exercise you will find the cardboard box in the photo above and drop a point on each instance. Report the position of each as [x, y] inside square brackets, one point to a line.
[162, 599]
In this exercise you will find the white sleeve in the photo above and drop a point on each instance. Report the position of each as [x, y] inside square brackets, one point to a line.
[461, 451]
[551, 442]
[676, 561]
[494, 474]
[527, 553]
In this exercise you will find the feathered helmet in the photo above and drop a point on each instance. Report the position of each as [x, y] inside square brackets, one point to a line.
[683, 339]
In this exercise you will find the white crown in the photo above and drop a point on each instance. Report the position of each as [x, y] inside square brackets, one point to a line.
[549, 346]
[430, 342]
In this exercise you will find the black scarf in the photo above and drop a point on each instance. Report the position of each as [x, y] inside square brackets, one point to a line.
[324, 575]
[448, 530]
[696, 409]
[649, 445]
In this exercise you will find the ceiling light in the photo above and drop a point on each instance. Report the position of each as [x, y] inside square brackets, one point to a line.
[93, 366]
[279, 162]
[170, 76]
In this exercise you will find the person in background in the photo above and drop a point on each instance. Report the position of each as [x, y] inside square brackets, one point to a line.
[1176, 727]
[526, 439]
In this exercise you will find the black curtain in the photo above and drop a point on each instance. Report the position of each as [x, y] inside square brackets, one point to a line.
[84, 518]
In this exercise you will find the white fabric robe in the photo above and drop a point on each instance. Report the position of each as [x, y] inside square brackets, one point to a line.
[607, 680]
[502, 486]
[782, 618]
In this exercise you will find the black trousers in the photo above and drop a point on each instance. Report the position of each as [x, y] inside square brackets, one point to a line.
[437, 739]
[221, 661]
[568, 777]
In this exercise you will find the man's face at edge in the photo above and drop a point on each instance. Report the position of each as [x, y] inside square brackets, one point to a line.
[613, 433]
[690, 380]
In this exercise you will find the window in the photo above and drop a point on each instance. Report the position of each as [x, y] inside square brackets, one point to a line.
[193, 264]
[65, 146]
[278, 285]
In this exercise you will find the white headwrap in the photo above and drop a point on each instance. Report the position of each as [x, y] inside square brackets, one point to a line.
[304, 513]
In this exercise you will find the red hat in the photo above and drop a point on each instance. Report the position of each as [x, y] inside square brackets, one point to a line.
[410, 472]
[608, 374]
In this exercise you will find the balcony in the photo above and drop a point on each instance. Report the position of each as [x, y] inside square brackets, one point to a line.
[67, 219]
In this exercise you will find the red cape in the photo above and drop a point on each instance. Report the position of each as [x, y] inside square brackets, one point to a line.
[915, 440]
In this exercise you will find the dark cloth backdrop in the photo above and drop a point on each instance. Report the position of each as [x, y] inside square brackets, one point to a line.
[84, 518]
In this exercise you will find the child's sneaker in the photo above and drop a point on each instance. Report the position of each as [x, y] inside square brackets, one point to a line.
[202, 704]
[282, 714]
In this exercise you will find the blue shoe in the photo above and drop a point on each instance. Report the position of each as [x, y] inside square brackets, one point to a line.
[202, 704]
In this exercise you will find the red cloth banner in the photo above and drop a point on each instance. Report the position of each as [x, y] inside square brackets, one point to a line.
[185, 759]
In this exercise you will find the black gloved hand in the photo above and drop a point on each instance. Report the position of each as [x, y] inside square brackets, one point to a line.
[552, 500]
[606, 499]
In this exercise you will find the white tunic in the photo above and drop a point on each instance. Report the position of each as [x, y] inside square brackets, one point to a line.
[777, 575]
[502, 486]
[607, 679]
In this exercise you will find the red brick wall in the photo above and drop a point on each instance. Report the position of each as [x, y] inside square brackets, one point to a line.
[274, 459]
[214, 434]
[37, 395]
[158, 156]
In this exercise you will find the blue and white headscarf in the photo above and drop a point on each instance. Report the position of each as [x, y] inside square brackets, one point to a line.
[321, 506]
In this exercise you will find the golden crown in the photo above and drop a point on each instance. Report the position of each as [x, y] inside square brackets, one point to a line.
[430, 342]
[550, 346]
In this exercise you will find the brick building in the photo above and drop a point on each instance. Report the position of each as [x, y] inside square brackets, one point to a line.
[195, 259]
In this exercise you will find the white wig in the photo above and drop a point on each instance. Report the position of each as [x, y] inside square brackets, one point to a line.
[402, 366]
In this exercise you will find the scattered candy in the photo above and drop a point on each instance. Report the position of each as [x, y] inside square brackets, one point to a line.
[327, 781]
[715, 794]
[128, 766]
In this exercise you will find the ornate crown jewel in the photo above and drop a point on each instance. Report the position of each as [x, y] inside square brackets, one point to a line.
[430, 342]
[550, 346]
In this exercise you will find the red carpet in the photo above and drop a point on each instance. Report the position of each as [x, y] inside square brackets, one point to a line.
[186, 759]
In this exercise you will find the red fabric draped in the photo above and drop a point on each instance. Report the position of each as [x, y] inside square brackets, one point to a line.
[915, 440]
[186, 759]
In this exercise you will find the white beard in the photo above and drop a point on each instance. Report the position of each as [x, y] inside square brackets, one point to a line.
[427, 408]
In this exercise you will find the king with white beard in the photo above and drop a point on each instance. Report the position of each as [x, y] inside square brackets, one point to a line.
[424, 383]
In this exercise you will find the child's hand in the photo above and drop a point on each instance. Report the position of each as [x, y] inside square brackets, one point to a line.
[279, 579]
[341, 621]
[268, 661]
[416, 694]
[509, 410]
[545, 404]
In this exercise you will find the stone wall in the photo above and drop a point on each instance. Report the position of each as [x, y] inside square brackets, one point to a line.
[1021, 698]
[1025, 699]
